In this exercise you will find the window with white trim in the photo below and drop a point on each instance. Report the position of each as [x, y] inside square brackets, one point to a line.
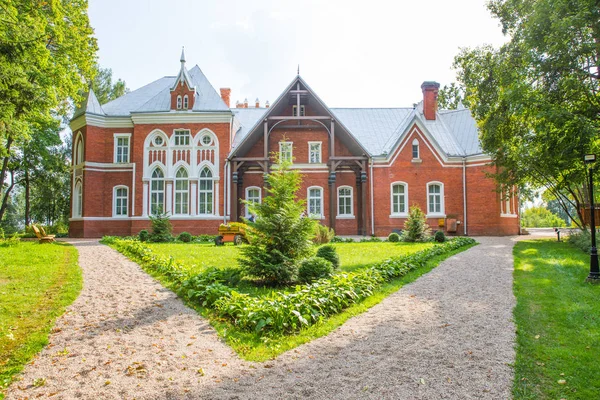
[157, 192]
[182, 185]
[205, 192]
[182, 137]
[435, 198]
[507, 205]
[399, 198]
[179, 102]
[345, 206]
[415, 149]
[77, 200]
[315, 202]
[295, 111]
[185, 102]
[79, 151]
[314, 152]
[121, 148]
[252, 196]
[120, 201]
[285, 151]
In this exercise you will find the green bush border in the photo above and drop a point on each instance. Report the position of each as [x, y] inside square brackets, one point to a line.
[280, 312]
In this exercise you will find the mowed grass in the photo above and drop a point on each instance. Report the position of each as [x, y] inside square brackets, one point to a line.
[558, 323]
[37, 282]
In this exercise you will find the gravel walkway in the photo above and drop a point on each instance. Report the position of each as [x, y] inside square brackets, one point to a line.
[449, 335]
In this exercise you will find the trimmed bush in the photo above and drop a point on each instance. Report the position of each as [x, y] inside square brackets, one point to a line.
[329, 253]
[439, 237]
[323, 234]
[314, 268]
[393, 237]
[184, 237]
[144, 235]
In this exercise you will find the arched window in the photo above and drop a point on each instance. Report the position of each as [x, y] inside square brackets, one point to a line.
[78, 151]
[181, 192]
[179, 102]
[120, 201]
[435, 198]
[157, 192]
[399, 199]
[205, 192]
[415, 149]
[345, 206]
[315, 202]
[78, 200]
[252, 196]
[185, 102]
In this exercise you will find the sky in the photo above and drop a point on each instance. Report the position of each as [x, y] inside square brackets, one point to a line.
[368, 53]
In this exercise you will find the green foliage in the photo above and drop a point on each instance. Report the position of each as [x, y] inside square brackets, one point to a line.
[12, 241]
[370, 239]
[314, 268]
[323, 234]
[161, 228]
[540, 217]
[184, 237]
[281, 235]
[581, 240]
[337, 239]
[144, 236]
[415, 226]
[393, 237]
[450, 96]
[439, 236]
[205, 238]
[329, 253]
[104, 88]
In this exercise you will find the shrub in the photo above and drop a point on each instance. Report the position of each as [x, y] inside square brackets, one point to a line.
[161, 228]
[439, 237]
[541, 217]
[373, 239]
[329, 253]
[582, 240]
[205, 238]
[393, 237]
[144, 235]
[184, 237]
[323, 234]
[10, 241]
[314, 268]
[415, 227]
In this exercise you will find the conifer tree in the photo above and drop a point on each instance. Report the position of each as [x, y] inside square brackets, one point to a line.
[415, 227]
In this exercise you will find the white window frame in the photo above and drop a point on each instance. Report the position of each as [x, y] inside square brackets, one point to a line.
[186, 102]
[210, 191]
[178, 134]
[442, 212]
[295, 111]
[283, 144]
[507, 205]
[118, 136]
[115, 200]
[179, 102]
[415, 143]
[157, 191]
[78, 200]
[183, 192]
[78, 156]
[400, 214]
[248, 198]
[310, 152]
[308, 200]
[345, 216]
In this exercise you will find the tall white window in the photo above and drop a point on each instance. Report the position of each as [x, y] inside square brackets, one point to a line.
[179, 102]
[435, 198]
[205, 192]
[181, 192]
[415, 149]
[315, 202]
[78, 151]
[345, 201]
[121, 148]
[399, 198]
[120, 201]
[157, 192]
[252, 196]
[295, 111]
[185, 102]
[77, 200]
[182, 137]
[285, 151]
[314, 152]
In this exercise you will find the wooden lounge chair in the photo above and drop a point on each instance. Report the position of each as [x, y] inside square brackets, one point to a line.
[42, 238]
[43, 232]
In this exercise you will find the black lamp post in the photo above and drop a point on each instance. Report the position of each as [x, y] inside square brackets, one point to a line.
[594, 275]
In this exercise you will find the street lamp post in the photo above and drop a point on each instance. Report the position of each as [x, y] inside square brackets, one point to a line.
[594, 275]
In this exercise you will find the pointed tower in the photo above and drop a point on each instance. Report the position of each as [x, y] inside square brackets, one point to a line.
[183, 91]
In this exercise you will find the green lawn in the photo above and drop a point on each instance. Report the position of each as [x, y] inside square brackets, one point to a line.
[37, 282]
[558, 323]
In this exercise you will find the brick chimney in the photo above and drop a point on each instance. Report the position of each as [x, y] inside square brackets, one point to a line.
[225, 95]
[430, 95]
[267, 104]
[245, 103]
[257, 103]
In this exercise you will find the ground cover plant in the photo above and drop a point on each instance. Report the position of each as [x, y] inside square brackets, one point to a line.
[558, 323]
[37, 282]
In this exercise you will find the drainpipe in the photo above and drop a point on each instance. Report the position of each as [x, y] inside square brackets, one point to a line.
[372, 206]
[464, 160]
[225, 191]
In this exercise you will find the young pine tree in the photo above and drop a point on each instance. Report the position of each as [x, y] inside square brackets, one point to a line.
[415, 227]
[281, 234]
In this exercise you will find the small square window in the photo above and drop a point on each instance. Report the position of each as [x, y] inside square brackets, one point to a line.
[314, 152]
[295, 111]
[182, 138]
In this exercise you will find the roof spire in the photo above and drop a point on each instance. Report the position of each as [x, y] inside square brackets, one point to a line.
[182, 59]
[298, 69]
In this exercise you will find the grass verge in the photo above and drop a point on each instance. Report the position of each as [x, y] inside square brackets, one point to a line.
[558, 323]
[37, 283]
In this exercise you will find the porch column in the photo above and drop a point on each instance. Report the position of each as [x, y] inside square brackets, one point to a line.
[363, 189]
[217, 213]
[234, 196]
[359, 205]
[145, 200]
[332, 196]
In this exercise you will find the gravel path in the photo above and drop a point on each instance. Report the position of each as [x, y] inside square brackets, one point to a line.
[449, 335]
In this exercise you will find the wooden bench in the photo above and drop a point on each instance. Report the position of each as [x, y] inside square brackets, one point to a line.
[42, 237]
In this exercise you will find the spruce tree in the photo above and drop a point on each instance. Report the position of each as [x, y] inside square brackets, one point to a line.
[415, 227]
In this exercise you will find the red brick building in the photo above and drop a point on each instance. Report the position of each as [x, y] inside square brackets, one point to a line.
[176, 145]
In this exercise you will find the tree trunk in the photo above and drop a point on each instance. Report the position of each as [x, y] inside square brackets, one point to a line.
[6, 195]
[27, 197]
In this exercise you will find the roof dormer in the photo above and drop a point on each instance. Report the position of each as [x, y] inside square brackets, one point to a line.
[183, 91]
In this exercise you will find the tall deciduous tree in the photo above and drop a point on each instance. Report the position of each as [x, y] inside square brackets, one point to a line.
[537, 98]
[104, 87]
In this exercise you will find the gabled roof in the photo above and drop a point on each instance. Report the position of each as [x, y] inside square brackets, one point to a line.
[183, 75]
[89, 105]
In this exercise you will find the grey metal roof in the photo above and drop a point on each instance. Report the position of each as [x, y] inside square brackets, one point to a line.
[89, 105]
[464, 129]
[156, 97]
[247, 118]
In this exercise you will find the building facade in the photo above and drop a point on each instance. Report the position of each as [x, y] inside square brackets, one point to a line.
[176, 146]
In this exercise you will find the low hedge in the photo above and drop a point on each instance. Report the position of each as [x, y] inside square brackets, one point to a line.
[281, 312]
